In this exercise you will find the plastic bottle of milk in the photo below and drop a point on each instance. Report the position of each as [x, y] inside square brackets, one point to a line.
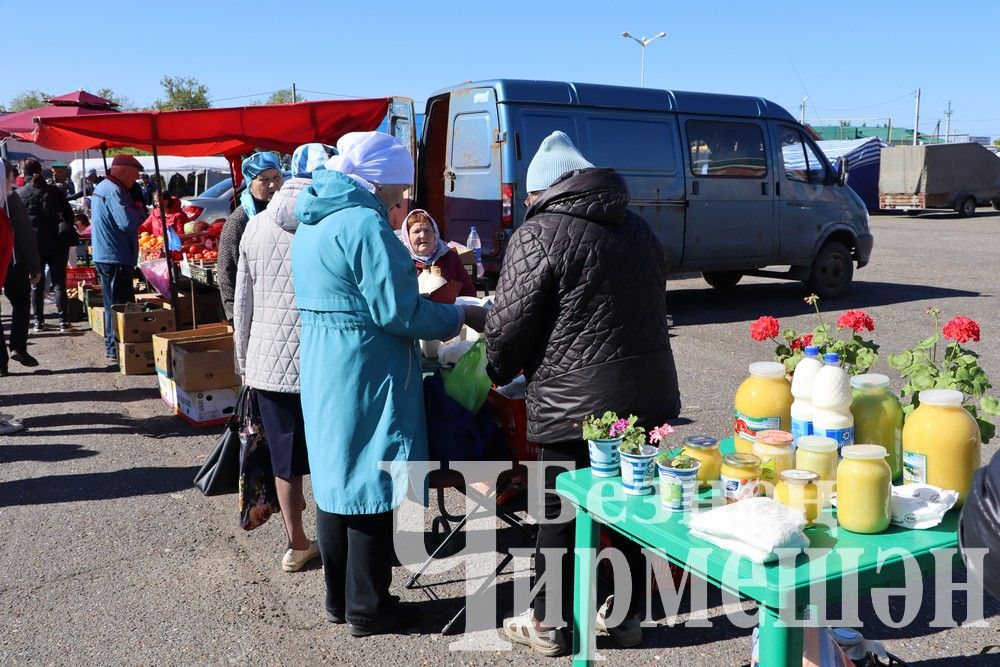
[802, 384]
[831, 402]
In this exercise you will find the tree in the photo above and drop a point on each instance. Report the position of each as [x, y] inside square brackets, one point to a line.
[182, 93]
[996, 142]
[283, 96]
[29, 99]
[124, 103]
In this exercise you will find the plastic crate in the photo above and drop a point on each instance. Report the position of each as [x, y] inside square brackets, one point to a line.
[84, 274]
[511, 416]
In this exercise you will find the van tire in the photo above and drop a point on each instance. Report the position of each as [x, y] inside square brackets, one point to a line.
[967, 207]
[722, 280]
[832, 271]
[996, 204]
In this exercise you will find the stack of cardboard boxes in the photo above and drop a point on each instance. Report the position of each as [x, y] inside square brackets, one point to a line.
[196, 371]
[135, 326]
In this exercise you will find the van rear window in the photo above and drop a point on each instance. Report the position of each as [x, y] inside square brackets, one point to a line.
[726, 149]
[631, 145]
[471, 139]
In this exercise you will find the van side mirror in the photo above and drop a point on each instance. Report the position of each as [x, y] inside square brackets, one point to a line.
[843, 170]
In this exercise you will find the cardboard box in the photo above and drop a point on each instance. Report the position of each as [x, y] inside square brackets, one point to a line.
[208, 309]
[90, 295]
[136, 359]
[133, 324]
[162, 342]
[200, 365]
[168, 391]
[202, 409]
[96, 316]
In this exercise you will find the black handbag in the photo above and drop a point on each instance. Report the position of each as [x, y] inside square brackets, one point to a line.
[220, 473]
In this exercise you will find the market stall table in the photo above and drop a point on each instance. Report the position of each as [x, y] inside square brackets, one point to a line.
[780, 591]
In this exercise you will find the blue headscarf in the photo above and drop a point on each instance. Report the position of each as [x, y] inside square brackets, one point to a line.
[307, 158]
[252, 167]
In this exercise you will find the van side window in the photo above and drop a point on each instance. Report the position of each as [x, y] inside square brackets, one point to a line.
[731, 150]
[471, 140]
[632, 145]
[800, 160]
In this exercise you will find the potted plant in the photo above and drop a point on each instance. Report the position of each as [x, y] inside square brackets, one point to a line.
[638, 454]
[678, 481]
[603, 444]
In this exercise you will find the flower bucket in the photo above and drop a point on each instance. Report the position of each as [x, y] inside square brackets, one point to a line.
[637, 471]
[678, 486]
[604, 461]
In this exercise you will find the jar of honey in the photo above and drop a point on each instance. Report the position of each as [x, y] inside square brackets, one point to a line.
[797, 489]
[706, 450]
[864, 489]
[740, 475]
[776, 452]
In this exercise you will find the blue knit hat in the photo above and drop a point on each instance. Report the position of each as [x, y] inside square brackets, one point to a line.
[555, 157]
[307, 158]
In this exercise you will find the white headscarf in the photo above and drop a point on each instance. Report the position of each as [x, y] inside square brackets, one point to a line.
[373, 157]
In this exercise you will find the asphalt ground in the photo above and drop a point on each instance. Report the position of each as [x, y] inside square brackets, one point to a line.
[109, 556]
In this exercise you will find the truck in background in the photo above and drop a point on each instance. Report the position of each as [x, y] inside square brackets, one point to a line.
[959, 177]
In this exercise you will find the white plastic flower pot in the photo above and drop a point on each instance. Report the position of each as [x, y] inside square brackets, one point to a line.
[678, 487]
[604, 460]
[638, 470]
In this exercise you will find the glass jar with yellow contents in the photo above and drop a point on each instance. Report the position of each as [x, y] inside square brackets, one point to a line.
[776, 452]
[797, 489]
[818, 453]
[706, 450]
[864, 489]
[762, 402]
[740, 474]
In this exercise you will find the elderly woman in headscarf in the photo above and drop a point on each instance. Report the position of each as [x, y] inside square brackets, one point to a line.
[360, 377]
[266, 331]
[421, 236]
[262, 174]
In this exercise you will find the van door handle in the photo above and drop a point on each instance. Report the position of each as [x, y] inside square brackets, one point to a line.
[763, 189]
[450, 176]
[777, 189]
[694, 187]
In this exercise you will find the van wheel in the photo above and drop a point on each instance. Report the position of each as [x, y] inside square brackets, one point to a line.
[996, 204]
[832, 271]
[967, 207]
[722, 280]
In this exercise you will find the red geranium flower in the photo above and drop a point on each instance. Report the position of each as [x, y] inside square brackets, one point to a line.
[802, 342]
[858, 320]
[765, 327]
[962, 329]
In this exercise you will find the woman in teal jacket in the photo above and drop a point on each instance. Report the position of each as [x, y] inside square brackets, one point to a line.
[362, 395]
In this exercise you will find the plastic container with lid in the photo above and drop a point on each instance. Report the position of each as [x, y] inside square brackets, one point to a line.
[831, 402]
[763, 402]
[740, 475]
[864, 489]
[818, 454]
[802, 382]
[797, 489]
[706, 450]
[878, 417]
[776, 452]
[941, 443]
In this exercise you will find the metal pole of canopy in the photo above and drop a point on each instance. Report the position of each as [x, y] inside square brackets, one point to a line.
[104, 156]
[171, 269]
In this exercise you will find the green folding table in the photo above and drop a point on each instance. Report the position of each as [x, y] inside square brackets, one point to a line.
[782, 590]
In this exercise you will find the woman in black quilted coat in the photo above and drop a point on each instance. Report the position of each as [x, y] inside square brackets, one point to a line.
[581, 310]
[979, 527]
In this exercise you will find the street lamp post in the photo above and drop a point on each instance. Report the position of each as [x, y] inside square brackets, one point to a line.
[643, 42]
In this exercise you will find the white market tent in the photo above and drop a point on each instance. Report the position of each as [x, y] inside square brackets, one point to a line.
[208, 170]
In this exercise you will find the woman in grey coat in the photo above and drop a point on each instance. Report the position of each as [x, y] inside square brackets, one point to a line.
[267, 329]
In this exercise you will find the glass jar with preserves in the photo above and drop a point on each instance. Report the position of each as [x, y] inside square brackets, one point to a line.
[706, 450]
[740, 475]
[941, 443]
[776, 452]
[818, 454]
[864, 489]
[797, 489]
[763, 402]
[878, 417]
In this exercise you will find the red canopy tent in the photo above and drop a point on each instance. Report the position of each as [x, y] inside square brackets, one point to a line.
[229, 131]
[76, 104]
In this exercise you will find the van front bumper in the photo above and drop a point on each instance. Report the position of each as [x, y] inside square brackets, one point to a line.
[863, 248]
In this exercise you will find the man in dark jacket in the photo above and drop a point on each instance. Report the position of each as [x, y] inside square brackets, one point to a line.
[979, 527]
[581, 309]
[52, 218]
[24, 271]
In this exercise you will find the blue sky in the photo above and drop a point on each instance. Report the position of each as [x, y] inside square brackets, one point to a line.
[853, 59]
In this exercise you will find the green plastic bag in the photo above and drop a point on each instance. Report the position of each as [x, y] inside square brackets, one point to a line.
[468, 383]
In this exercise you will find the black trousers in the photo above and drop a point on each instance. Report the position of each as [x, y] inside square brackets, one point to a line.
[18, 290]
[562, 536]
[56, 262]
[357, 552]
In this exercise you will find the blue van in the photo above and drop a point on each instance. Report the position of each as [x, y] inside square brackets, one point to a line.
[731, 185]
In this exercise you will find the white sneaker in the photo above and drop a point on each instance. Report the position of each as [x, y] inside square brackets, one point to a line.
[627, 634]
[521, 629]
[295, 559]
[10, 427]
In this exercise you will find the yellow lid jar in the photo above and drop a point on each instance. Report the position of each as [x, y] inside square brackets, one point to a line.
[740, 475]
[763, 402]
[818, 454]
[941, 444]
[706, 450]
[864, 487]
[776, 452]
[797, 489]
